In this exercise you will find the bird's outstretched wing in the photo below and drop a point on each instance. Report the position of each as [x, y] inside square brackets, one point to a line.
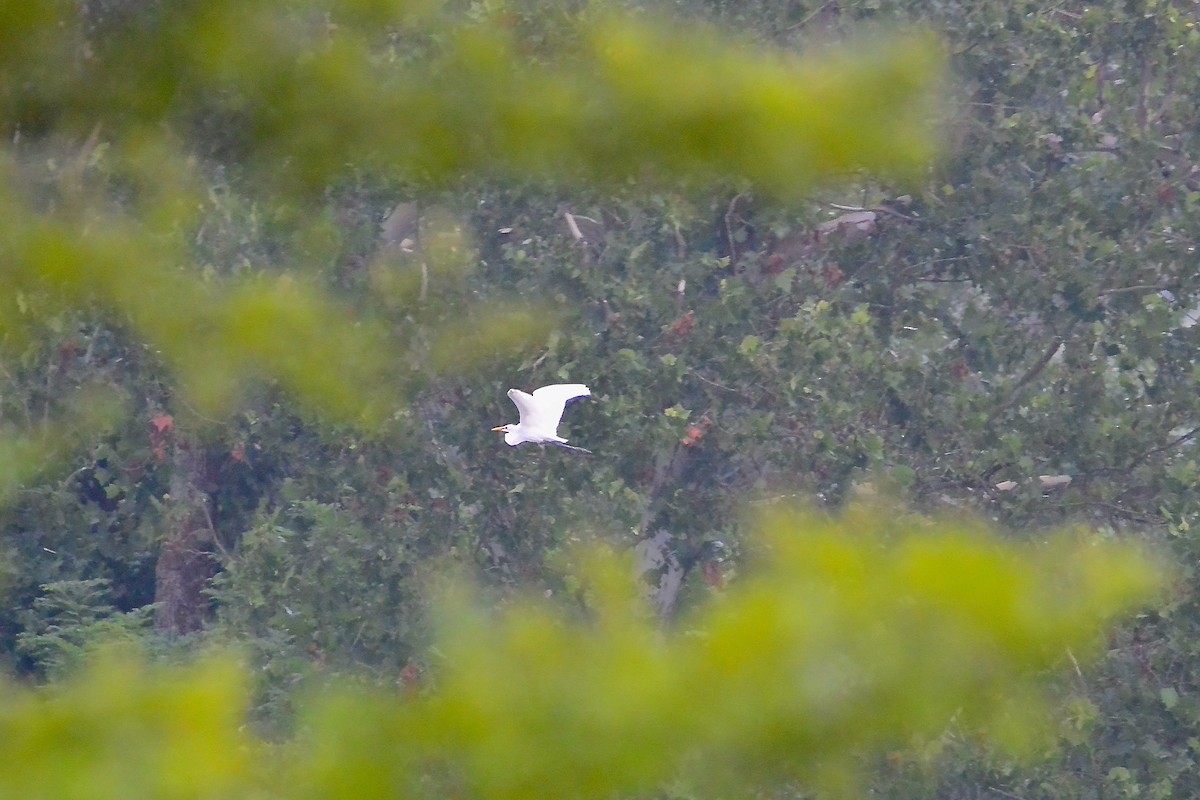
[524, 403]
[552, 400]
[543, 410]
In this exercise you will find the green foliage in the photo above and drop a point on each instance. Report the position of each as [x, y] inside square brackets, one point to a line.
[311, 589]
[98, 209]
[70, 619]
[24, 453]
[845, 637]
[122, 730]
[173, 235]
[445, 97]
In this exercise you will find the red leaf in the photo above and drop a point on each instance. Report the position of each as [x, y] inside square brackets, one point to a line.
[410, 677]
[162, 422]
[693, 435]
[713, 576]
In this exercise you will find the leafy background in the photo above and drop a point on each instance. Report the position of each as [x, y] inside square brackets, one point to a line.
[271, 268]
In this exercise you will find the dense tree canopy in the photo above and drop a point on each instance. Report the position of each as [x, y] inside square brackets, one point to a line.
[271, 266]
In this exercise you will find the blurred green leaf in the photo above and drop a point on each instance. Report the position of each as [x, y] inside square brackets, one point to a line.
[847, 636]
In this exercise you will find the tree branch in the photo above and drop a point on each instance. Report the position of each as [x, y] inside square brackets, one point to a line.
[1025, 379]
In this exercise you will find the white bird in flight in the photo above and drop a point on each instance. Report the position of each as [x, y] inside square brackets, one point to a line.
[540, 414]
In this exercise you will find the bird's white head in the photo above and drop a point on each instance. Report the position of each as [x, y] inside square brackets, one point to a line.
[510, 433]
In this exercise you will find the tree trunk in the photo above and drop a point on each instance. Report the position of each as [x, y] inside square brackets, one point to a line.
[185, 563]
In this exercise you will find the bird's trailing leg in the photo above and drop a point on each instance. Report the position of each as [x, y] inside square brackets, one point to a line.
[572, 447]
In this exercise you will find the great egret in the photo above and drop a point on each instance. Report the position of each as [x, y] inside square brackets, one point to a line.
[541, 413]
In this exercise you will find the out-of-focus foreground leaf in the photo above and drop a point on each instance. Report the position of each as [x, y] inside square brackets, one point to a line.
[126, 730]
[304, 92]
[847, 637]
[115, 115]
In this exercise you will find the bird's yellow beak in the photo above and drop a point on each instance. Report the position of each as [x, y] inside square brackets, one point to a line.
[500, 428]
